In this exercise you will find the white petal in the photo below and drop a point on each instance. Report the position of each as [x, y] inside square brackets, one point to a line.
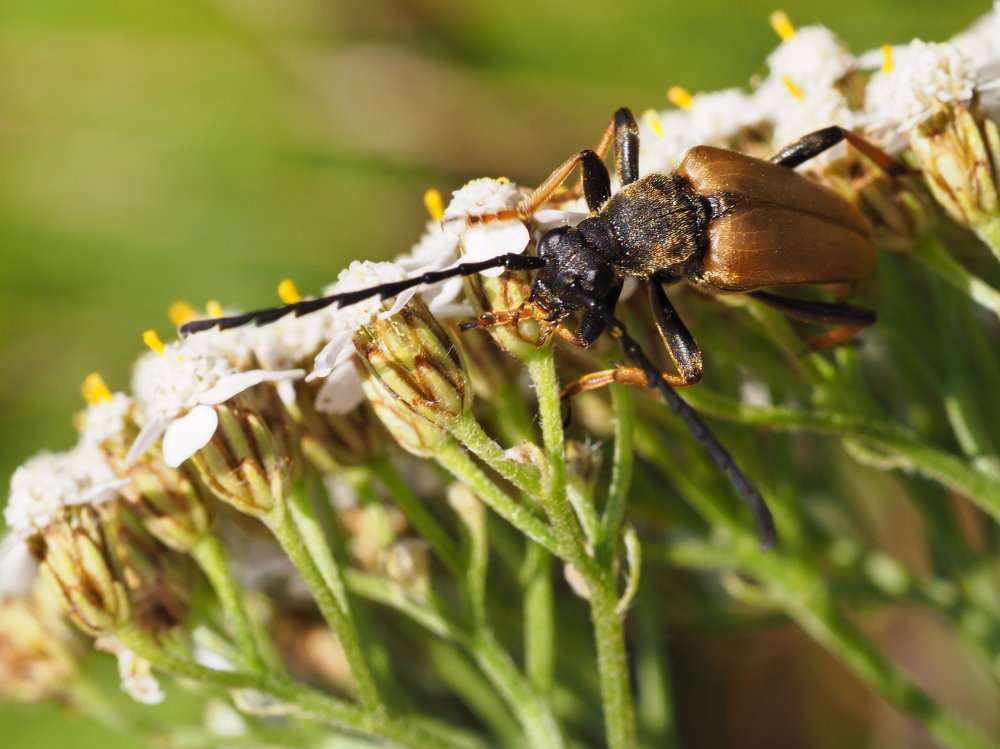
[487, 241]
[102, 492]
[341, 393]
[188, 434]
[146, 439]
[17, 567]
[332, 353]
[235, 384]
[401, 300]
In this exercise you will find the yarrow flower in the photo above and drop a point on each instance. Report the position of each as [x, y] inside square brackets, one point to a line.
[177, 388]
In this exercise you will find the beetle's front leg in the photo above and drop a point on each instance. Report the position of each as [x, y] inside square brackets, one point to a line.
[596, 189]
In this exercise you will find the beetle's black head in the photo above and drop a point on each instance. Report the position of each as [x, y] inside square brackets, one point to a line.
[577, 260]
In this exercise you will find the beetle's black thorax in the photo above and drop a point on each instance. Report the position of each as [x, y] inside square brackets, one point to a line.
[660, 223]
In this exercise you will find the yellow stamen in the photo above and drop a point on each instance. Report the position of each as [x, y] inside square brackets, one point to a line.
[180, 313]
[792, 88]
[782, 25]
[94, 389]
[652, 118]
[680, 97]
[502, 180]
[887, 58]
[151, 339]
[289, 294]
[214, 309]
[434, 204]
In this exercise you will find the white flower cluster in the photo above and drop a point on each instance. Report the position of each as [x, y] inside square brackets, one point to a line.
[808, 86]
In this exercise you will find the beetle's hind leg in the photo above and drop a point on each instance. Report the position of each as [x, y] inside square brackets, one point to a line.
[812, 145]
[621, 375]
[849, 318]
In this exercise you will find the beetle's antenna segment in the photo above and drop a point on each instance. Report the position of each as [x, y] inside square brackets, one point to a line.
[720, 456]
[509, 261]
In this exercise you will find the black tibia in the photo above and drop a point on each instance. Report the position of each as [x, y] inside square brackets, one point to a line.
[347, 298]
[626, 146]
[821, 313]
[592, 325]
[812, 145]
[596, 181]
[681, 346]
[718, 454]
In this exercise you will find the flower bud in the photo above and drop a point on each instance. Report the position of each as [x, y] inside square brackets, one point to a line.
[959, 150]
[251, 456]
[40, 653]
[499, 294]
[414, 433]
[418, 362]
[76, 559]
[898, 210]
[332, 439]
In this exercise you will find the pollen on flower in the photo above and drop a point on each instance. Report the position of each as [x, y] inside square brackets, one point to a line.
[481, 196]
[181, 312]
[680, 97]
[652, 119]
[153, 341]
[287, 292]
[813, 54]
[214, 309]
[94, 389]
[782, 25]
[792, 88]
[434, 204]
[926, 77]
[886, 58]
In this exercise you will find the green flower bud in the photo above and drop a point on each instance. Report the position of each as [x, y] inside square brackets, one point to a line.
[418, 362]
[76, 558]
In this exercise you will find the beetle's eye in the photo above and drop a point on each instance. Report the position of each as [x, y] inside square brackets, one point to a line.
[549, 243]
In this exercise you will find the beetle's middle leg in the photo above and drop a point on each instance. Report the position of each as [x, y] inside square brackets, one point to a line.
[812, 145]
[849, 318]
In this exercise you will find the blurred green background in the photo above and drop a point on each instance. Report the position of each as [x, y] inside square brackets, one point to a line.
[206, 149]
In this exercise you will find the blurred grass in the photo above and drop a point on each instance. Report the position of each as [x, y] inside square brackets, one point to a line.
[205, 150]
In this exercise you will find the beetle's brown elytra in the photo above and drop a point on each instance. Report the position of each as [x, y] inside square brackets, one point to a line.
[723, 221]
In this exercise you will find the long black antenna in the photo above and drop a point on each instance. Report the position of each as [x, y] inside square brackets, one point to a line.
[510, 261]
[719, 455]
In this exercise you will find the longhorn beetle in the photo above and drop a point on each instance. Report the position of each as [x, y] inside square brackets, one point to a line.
[723, 221]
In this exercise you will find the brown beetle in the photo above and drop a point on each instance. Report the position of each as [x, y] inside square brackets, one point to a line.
[723, 221]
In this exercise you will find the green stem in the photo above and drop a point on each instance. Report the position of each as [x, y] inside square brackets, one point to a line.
[422, 521]
[453, 457]
[623, 408]
[945, 468]
[612, 660]
[612, 665]
[539, 618]
[533, 712]
[305, 701]
[564, 521]
[211, 556]
[932, 255]
[279, 521]
[817, 615]
[470, 433]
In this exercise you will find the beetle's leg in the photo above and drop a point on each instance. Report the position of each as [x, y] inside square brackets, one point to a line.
[812, 145]
[849, 318]
[596, 189]
[681, 346]
[496, 318]
[621, 375]
[718, 454]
